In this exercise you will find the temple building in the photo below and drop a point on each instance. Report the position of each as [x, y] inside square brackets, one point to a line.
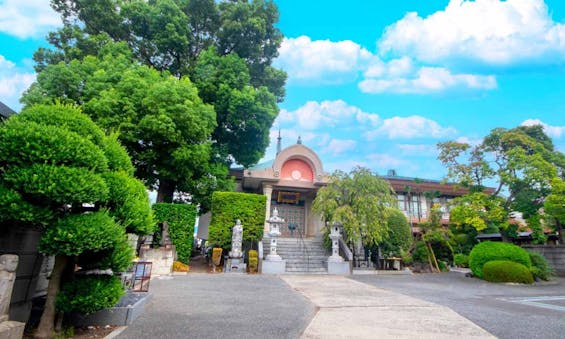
[292, 180]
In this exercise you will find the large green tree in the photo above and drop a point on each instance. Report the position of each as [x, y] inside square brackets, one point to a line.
[175, 35]
[359, 200]
[61, 173]
[554, 206]
[521, 162]
[160, 119]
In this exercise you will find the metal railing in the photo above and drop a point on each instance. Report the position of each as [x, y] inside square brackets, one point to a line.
[304, 248]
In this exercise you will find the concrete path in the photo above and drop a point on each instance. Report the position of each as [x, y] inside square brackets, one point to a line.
[350, 309]
[226, 306]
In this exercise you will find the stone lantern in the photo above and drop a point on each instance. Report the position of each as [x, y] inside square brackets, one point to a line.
[335, 234]
[336, 263]
[273, 262]
[275, 223]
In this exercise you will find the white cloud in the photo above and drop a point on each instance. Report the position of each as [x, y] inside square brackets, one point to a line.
[409, 128]
[418, 149]
[313, 115]
[337, 146]
[13, 82]
[385, 161]
[27, 18]
[321, 60]
[551, 131]
[489, 31]
[427, 80]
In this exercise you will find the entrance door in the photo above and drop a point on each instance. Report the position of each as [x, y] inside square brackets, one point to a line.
[294, 217]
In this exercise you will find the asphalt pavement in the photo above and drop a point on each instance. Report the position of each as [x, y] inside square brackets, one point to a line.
[201, 305]
[505, 310]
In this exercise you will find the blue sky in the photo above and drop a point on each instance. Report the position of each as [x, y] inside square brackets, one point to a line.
[380, 83]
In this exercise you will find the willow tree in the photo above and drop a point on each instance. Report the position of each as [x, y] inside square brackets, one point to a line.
[61, 173]
[359, 200]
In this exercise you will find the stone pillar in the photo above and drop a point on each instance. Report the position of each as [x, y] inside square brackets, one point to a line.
[267, 191]
[8, 329]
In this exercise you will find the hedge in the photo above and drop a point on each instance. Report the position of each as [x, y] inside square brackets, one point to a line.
[507, 271]
[227, 207]
[180, 218]
[489, 251]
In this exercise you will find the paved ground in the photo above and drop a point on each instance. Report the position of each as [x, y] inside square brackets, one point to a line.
[221, 306]
[505, 310]
[263, 306]
[349, 309]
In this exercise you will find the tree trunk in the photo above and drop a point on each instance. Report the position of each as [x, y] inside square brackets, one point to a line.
[434, 257]
[429, 258]
[47, 323]
[166, 190]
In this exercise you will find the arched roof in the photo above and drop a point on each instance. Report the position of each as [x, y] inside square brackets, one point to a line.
[299, 152]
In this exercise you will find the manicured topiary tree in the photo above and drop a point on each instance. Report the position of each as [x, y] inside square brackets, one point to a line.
[60, 172]
[507, 271]
[180, 218]
[489, 251]
[227, 207]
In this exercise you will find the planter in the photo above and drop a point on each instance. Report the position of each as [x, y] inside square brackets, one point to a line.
[128, 309]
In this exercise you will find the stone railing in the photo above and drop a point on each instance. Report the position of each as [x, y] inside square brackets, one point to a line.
[345, 251]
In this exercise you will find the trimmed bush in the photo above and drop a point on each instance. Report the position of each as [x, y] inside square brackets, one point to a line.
[180, 267]
[180, 218]
[227, 207]
[461, 260]
[540, 267]
[489, 251]
[399, 236]
[507, 271]
[253, 260]
[88, 294]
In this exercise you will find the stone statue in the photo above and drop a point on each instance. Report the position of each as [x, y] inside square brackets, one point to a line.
[236, 239]
[8, 329]
[8, 265]
[165, 236]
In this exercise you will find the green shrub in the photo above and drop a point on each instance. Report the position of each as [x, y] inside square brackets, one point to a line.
[507, 271]
[489, 251]
[540, 267]
[399, 236]
[227, 207]
[88, 294]
[180, 218]
[128, 202]
[77, 233]
[420, 253]
[461, 260]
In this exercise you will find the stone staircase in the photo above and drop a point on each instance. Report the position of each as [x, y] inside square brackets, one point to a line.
[303, 256]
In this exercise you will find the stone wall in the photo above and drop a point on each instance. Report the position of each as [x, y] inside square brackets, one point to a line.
[555, 255]
[162, 259]
[24, 243]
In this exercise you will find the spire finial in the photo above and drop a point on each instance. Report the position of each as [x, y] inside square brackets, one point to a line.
[299, 141]
[279, 142]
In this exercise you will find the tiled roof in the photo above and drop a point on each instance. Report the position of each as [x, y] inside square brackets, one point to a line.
[5, 111]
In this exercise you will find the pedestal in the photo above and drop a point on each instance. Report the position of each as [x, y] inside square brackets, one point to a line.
[273, 266]
[339, 267]
[235, 265]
